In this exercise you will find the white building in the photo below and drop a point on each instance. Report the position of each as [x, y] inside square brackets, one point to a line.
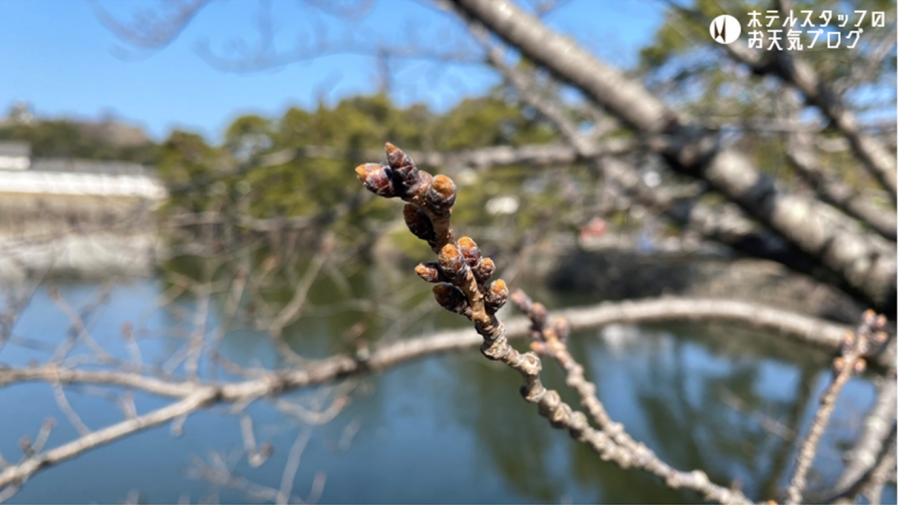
[15, 155]
[60, 176]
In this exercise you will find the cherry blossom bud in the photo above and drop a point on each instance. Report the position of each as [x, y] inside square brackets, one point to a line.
[404, 170]
[469, 250]
[441, 195]
[849, 340]
[429, 272]
[452, 263]
[495, 296]
[452, 298]
[880, 338]
[539, 348]
[483, 270]
[377, 179]
[562, 328]
[420, 186]
[837, 366]
[418, 222]
[869, 317]
[860, 366]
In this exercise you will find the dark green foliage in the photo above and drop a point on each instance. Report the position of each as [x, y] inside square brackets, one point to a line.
[69, 139]
[199, 174]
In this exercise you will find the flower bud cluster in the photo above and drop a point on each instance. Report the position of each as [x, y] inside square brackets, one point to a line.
[461, 271]
[455, 262]
[868, 339]
[401, 178]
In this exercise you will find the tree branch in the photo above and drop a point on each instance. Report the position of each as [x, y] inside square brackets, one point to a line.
[867, 266]
[856, 345]
[875, 157]
[16, 475]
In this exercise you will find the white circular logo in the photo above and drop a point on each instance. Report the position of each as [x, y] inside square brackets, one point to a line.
[725, 29]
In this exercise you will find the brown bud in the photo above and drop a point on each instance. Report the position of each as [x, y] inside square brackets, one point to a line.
[429, 272]
[377, 179]
[420, 186]
[452, 298]
[483, 270]
[860, 366]
[849, 340]
[495, 296]
[837, 366]
[562, 328]
[469, 250]
[365, 169]
[880, 322]
[418, 222]
[441, 195]
[539, 348]
[404, 170]
[452, 263]
[880, 338]
[868, 317]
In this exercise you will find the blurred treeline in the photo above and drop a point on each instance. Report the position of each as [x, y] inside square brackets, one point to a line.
[264, 167]
[684, 65]
[269, 168]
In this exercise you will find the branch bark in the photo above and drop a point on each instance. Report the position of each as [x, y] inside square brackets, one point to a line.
[834, 191]
[18, 474]
[803, 328]
[875, 157]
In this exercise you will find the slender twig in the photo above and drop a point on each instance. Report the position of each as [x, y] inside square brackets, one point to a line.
[18, 474]
[550, 340]
[813, 331]
[876, 429]
[461, 275]
[60, 396]
[198, 336]
[851, 361]
[293, 464]
[886, 467]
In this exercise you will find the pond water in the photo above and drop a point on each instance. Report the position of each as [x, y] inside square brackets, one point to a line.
[449, 428]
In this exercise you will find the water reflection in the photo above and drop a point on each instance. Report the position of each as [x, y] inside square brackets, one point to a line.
[449, 428]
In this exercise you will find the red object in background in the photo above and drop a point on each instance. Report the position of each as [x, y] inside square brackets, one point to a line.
[596, 228]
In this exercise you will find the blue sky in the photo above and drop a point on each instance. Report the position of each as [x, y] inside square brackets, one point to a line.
[58, 56]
